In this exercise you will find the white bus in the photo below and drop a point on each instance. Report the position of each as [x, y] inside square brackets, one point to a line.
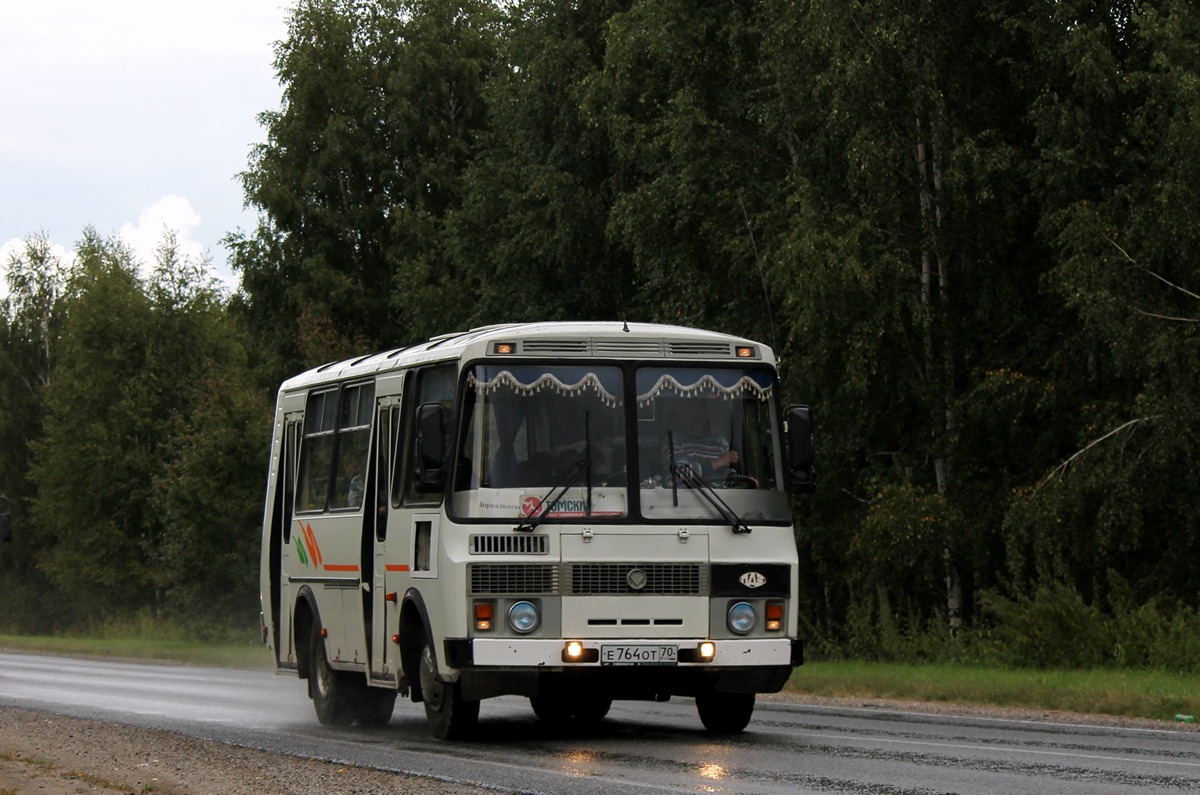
[570, 512]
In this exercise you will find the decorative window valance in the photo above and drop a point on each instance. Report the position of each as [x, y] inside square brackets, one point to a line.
[567, 381]
[681, 382]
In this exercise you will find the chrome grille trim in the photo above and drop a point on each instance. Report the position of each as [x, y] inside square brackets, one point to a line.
[662, 579]
[642, 347]
[554, 346]
[510, 544]
[498, 579]
[720, 349]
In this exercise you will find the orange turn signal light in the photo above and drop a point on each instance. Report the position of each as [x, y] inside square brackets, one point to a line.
[774, 617]
[484, 611]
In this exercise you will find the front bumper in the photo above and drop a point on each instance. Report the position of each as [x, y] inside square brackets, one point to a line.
[538, 653]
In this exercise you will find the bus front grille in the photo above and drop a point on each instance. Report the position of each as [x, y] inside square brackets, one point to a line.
[521, 579]
[658, 579]
[509, 544]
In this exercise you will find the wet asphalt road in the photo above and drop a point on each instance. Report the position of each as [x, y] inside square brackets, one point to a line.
[639, 748]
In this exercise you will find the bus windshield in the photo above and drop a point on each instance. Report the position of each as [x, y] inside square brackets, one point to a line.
[549, 442]
[537, 434]
[708, 428]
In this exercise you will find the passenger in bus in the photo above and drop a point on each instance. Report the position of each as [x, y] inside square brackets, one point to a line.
[352, 467]
[695, 445]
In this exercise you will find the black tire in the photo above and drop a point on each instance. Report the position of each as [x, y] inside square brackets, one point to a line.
[725, 713]
[450, 716]
[551, 708]
[558, 708]
[375, 707]
[334, 693]
[590, 709]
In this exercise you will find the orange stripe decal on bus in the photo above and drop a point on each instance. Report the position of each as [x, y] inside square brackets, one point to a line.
[340, 567]
[318, 558]
[396, 567]
[310, 542]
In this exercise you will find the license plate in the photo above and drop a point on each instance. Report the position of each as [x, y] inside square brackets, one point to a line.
[639, 654]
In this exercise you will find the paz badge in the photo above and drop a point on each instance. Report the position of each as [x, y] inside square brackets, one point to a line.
[752, 579]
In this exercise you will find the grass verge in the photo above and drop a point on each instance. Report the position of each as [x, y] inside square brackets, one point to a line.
[1157, 695]
[246, 656]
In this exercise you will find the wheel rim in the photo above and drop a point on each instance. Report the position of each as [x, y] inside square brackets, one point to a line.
[324, 674]
[430, 687]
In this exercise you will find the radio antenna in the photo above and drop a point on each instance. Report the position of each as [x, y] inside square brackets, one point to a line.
[762, 277]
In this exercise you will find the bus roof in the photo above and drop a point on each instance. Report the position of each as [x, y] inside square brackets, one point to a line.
[551, 340]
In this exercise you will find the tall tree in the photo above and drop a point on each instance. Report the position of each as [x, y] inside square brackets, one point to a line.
[1118, 134]
[529, 241]
[690, 163]
[31, 319]
[901, 247]
[129, 360]
[361, 164]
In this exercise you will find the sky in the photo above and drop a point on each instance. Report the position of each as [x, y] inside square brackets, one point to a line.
[132, 116]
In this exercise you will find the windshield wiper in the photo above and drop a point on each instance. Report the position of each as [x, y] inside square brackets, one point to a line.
[529, 524]
[693, 481]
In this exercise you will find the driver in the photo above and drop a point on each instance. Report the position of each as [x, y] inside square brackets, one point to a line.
[696, 446]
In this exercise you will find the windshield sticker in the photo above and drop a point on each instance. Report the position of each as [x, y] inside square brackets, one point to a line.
[565, 508]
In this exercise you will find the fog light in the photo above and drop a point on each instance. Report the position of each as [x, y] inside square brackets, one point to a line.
[707, 650]
[574, 650]
[741, 618]
[523, 617]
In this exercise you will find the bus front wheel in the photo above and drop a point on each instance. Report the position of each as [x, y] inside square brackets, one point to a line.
[725, 713]
[332, 691]
[450, 716]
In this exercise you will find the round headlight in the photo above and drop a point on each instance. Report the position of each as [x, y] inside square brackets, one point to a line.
[741, 618]
[523, 617]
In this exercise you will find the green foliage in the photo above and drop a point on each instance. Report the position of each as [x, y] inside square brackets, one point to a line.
[208, 497]
[968, 230]
[529, 241]
[1055, 628]
[132, 365]
[361, 164]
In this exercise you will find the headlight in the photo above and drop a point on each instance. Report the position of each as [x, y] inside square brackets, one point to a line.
[523, 617]
[741, 618]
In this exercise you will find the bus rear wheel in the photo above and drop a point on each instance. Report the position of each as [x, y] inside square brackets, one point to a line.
[725, 713]
[450, 716]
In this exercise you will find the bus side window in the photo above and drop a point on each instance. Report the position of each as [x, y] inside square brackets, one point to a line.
[291, 439]
[386, 445]
[316, 451]
[433, 385]
[353, 444]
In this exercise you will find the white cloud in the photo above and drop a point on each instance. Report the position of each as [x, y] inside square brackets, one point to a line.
[119, 102]
[169, 214]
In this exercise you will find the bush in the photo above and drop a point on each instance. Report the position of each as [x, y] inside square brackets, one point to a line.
[1056, 628]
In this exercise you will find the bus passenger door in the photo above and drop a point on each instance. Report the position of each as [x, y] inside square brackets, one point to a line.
[384, 614]
[281, 552]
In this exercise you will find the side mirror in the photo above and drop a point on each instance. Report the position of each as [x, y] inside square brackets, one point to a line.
[801, 466]
[6, 522]
[431, 448]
